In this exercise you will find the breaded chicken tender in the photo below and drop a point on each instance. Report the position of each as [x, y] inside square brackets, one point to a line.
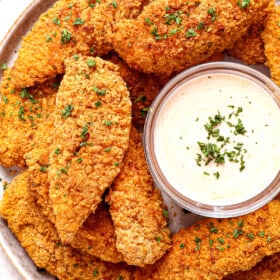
[271, 37]
[267, 269]
[97, 235]
[40, 239]
[92, 124]
[143, 88]
[25, 115]
[169, 36]
[214, 248]
[70, 27]
[137, 209]
[250, 48]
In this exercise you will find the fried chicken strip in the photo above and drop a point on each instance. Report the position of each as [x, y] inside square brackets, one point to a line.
[137, 209]
[169, 36]
[268, 268]
[70, 27]
[97, 235]
[250, 48]
[93, 115]
[40, 239]
[271, 37]
[25, 116]
[214, 248]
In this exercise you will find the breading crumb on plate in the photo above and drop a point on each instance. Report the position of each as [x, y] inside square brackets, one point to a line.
[92, 124]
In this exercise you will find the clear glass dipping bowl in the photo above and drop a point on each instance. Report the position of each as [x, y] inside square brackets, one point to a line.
[217, 211]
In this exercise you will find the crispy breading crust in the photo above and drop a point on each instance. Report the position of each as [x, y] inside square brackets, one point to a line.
[137, 209]
[40, 239]
[271, 39]
[97, 235]
[250, 48]
[93, 116]
[267, 269]
[170, 36]
[25, 115]
[214, 248]
[143, 88]
[69, 27]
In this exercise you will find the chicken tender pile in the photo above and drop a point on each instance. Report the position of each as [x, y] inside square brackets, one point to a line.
[85, 205]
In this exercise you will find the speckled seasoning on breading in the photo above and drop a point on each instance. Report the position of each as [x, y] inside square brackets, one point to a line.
[92, 124]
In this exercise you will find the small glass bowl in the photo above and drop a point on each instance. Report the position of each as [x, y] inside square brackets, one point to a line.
[217, 211]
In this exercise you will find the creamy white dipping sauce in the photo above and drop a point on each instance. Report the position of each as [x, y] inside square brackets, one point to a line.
[180, 125]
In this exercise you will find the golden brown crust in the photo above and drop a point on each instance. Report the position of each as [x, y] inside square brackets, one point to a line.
[25, 116]
[143, 88]
[137, 209]
[250, 48]
[271, 39]
[155, 42]
[97, 234]
[214, 248]
[69, 27]
[267, 269]
[39, 238]
[92, 124]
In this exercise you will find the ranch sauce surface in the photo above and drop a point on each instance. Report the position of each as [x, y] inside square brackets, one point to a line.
[217, 139]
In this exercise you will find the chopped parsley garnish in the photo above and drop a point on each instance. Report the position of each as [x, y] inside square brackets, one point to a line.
[250, 236]
[182, 245]
[198, 243]
[237, 233]
[4, 66]
[175, 17]
[190, 33]
[158, 239]
[221, 240]
[154, 32]
[79, 160]
[21, 113]
[43, 168]
[67, 111]
[24, 93]
[76, 57]
[101, 92]
[261, 234]
[84, 131]
[78, 21]
[56, 21]
[107, 123]
[212, 12]
[201, 26]
[91, 63]
[48, 38]
[243, 4]
[116, 163]
[95, 272]
[114, 4]
[65, 36]
[57, 151]
[165, 213]
[148, 21]
[98, 104]
[144, 112]
[108, 149]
